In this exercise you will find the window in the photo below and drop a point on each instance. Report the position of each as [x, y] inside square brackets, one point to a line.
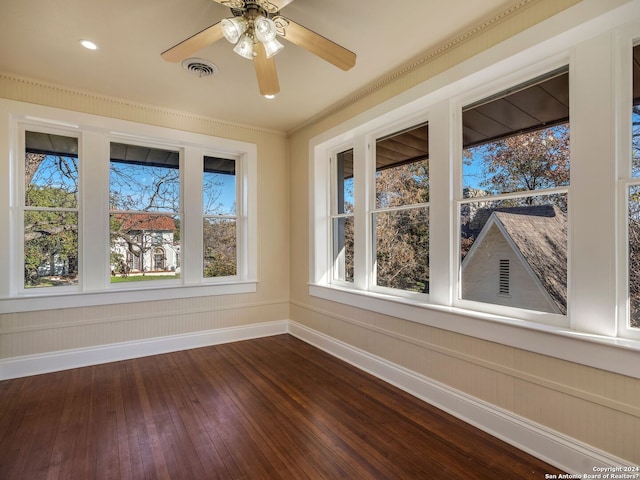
[342, 219]
[105, 211]
[532, 221]
[219, 217]
[379, 213]
[144, 219]
[633, 203]
[515, 196]
[50, 210]
[159, 259]
[400, 217]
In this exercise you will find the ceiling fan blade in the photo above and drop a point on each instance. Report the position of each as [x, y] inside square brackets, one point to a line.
[265, 71]
[319, 45]
[280, 3]
[194, 43]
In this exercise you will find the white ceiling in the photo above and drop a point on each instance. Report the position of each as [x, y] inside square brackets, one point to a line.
[40, 40]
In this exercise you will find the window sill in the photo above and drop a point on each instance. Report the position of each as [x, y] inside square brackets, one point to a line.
[47, 301]
[613, 354]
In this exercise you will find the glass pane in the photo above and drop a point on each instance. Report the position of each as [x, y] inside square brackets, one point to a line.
[402, 249]
[529, 161]
[531, 234]
[635, 146]
[144, 247]
[144, 179]
[635, 113]
[220, 251]
[634, 256]
[51, 170]
[344, 181]
[402, 168]
[50, 249]
[343, 259]
[219, 186]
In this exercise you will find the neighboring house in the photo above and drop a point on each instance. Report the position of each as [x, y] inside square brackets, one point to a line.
[146, 244]
[519, 259]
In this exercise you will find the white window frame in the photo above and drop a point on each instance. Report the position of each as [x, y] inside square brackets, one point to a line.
[142, 142]
[488, 90]
[17, 274]
[591, 336]
[239, 218]
[371, 207]
[334, 215]
[95, 134]
[627, 39]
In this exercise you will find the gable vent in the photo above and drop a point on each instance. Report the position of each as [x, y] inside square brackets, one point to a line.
[200, 67]
[503, 285]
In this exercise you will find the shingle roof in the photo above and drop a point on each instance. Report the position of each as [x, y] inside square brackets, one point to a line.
[149, 222]
[540, 234]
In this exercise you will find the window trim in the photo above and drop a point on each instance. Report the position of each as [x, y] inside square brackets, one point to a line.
[17, 274]
[132, 140]
[334, 207]
[372, 209]
[236, 217]
[95, 133]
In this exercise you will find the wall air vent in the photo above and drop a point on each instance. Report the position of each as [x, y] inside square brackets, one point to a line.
[200, 67]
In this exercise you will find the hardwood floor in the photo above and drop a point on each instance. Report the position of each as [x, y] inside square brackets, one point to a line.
[271, 408]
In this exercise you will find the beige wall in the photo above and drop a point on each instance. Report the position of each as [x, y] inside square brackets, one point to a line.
[599, 408]
[48, 331]
[594, 406]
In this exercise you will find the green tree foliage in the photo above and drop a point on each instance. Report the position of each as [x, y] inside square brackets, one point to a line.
[50, 235]
[219, 234]
[402, 234]
[634, 226]
[634, 256]
[527, 162]
[220, 258]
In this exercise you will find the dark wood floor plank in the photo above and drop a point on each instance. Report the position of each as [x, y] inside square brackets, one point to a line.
[26, 435]
[271, 408]
[318, 422]
[367, 427]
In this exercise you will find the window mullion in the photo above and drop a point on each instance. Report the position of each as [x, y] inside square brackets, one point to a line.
[362, 221]
[192, 245]
[592, 262]
[94, 229]
[441, 211]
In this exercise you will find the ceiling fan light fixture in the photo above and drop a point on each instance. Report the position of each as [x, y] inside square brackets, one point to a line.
[253, 30]
[265, 29]
[272, 47]
[233, 28]
[244, 47]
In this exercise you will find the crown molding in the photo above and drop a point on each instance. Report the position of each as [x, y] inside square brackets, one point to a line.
[164, 117]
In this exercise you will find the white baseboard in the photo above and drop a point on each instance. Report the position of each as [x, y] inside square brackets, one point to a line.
[63, 360]
[564, 452]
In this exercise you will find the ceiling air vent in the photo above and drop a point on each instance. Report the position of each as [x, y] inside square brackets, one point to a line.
[200, 67]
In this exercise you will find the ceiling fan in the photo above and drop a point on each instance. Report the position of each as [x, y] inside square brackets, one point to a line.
[254, 29]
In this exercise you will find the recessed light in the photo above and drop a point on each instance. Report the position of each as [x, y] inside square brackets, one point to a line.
[88, 44]
[269, 96]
